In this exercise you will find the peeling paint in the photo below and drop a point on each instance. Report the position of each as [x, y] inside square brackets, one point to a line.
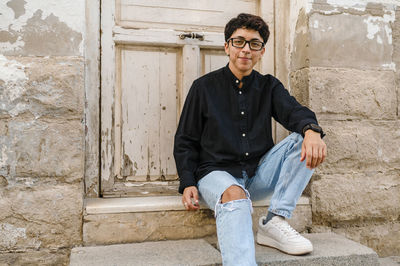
[15, 17]
[127, 169]
[11, 71]
[18, 6]
[357, 5]
[315, 24]
[375, 25]
[4, 157]
[9, 235]
[372, 27]
[391, 66]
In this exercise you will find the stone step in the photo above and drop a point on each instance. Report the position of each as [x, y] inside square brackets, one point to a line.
[329, 249]
[139, 219]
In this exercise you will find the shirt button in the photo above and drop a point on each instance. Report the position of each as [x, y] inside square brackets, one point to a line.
[243, 135]
[240, 92]
[247, 154]
[242, 113]
[237, 81]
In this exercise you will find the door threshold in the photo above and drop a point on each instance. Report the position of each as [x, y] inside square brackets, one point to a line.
[152, 204]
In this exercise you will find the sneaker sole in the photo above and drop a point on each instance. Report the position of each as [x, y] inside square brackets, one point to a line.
[267, 241]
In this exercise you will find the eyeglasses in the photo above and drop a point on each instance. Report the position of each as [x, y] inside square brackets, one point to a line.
[254, 45]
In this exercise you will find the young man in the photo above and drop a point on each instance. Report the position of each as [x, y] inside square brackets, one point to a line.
[224, 150]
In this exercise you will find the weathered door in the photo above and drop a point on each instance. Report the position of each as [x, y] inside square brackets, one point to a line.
[147, 67]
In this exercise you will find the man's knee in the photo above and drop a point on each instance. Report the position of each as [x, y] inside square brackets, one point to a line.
[233, 193]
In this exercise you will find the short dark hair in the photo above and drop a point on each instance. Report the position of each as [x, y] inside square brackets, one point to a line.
[247, 21]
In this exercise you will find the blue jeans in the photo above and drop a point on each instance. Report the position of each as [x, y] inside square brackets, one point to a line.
[279, 173]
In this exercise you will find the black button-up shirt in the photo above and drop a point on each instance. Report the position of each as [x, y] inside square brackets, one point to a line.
[224, 127]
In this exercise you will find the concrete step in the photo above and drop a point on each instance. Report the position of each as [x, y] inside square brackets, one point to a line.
[139, 219]
[329, 249]
[390, 261]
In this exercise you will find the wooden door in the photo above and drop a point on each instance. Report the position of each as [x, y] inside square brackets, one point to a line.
[147, 67]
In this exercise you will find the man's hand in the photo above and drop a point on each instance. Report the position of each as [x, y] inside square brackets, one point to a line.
[188, 194]
[313, 148]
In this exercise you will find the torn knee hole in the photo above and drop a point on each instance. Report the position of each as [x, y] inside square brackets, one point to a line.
[233, 193]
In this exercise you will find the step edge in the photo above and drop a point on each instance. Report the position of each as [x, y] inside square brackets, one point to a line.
[152, 204]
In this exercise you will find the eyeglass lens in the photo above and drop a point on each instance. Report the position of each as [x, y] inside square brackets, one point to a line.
[240, 43]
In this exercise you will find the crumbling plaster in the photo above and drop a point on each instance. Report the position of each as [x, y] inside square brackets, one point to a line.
[355, 34]
[344, 65]
[42, 96]
[37, 27]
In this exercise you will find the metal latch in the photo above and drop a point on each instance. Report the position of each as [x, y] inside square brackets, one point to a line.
[191, 35]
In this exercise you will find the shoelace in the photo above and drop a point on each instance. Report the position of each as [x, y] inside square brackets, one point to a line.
[286, 228]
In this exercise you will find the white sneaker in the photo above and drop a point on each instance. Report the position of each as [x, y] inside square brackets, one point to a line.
[277, 233]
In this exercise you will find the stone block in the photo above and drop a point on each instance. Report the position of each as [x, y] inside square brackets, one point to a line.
[42, 216]
[367, 45]
[33, 258]
[299, 86]
[383, 237]
[116, 228]
[147, 226]
[34, 149]
[347, 93]
[42, 87]
[182, 252]
[340, 200]
[361, 146]
[329, 250]
[299, 58]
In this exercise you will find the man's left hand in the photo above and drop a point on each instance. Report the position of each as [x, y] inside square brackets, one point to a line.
[313, 149]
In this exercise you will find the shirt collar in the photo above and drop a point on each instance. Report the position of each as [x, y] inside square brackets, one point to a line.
[234, 80]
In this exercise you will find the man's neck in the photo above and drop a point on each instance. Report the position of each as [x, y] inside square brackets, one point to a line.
[238, 74]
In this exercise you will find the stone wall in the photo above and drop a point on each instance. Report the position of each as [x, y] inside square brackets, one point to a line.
[41, 130]
[343, 65]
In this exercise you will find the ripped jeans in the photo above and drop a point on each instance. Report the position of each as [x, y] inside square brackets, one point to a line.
[279, 173]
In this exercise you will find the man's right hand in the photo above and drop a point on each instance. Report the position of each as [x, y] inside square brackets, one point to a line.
[190, 195]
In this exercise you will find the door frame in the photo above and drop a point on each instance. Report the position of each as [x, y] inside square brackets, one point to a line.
[92, 171]
[92, 50]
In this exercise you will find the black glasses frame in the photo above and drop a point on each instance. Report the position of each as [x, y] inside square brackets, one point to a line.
[246, 42]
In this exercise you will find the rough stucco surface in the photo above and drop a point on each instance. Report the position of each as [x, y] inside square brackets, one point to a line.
[38, 27]
[356, 48]
[361, 146]
[41, 130]
[41, 216]
[41, 120]
[41, 87]
[353, 93]
[356, 205]
[383, 237]
[396, 55]
[347, 72]
[59, 257]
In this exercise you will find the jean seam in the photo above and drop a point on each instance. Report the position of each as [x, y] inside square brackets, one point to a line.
[291, 143]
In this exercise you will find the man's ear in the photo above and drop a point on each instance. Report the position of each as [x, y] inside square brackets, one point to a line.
[263, 51]
[226, 46]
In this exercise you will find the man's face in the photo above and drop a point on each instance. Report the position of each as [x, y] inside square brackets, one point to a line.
[242, 60]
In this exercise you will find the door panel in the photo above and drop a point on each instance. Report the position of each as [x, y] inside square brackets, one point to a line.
[212, 60]
[147, 70]
[178, 14]
[148, 102]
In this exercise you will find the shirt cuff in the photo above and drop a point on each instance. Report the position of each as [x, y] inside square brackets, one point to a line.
[186, 180]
